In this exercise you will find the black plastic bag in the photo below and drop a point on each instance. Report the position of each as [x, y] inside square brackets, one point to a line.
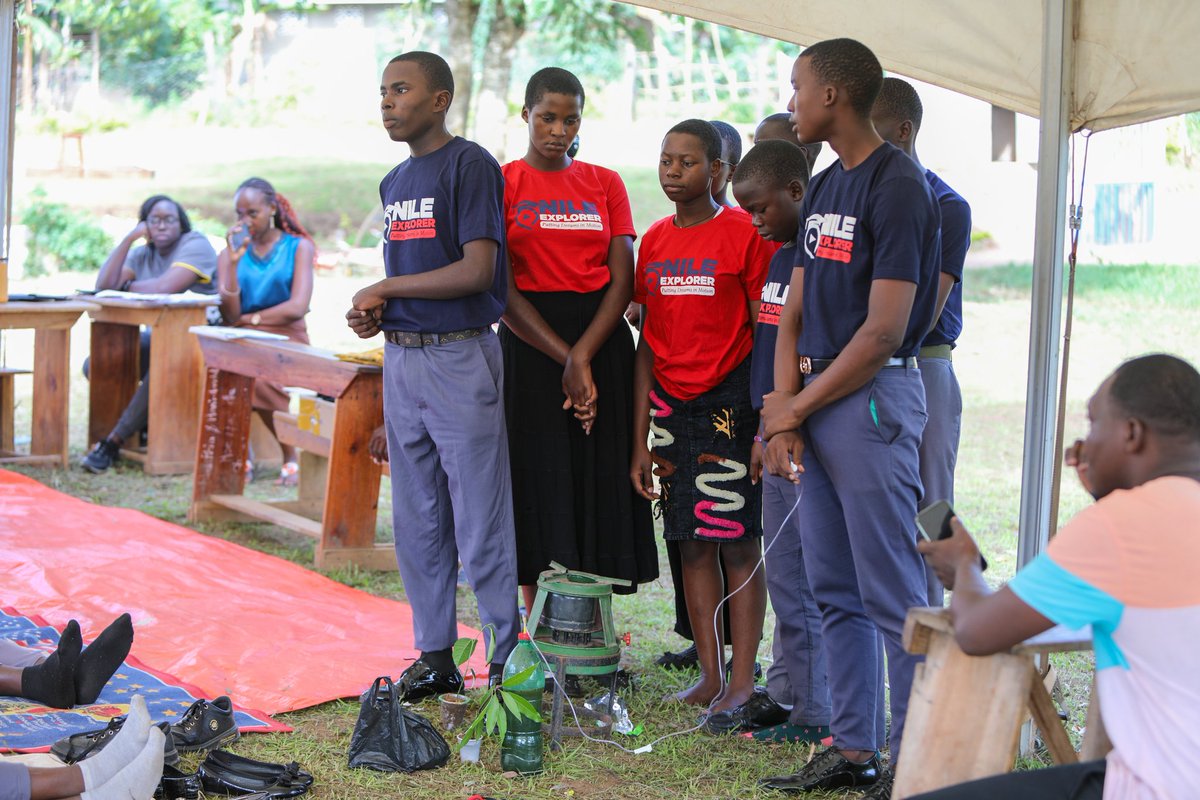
[389, 738]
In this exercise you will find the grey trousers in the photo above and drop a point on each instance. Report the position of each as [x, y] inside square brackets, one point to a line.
[14, 781]
[14, 655]
[451, 487]
[137, 413]
[938, 451]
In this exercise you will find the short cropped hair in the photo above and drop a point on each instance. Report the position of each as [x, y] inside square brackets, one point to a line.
[850, 65]
[185, 224]
[773, 163]
[1161, 390]
[705, 132]
[433, 66]
[552, 80]
[898, 100]
[784, 120]
[731, 138]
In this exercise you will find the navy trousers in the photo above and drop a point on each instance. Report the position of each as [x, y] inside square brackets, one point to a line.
[858, 532]
[939, 445]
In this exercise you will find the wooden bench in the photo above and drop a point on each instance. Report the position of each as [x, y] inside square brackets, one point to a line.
[342, 515]
[51, 322]
[8, 405]
[965, 712]
[174, 372]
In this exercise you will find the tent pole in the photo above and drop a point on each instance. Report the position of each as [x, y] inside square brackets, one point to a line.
[1058, 56]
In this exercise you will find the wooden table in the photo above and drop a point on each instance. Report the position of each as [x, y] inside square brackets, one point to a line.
[176, 375]
[51, 322]
[965, 712]
[344, 521]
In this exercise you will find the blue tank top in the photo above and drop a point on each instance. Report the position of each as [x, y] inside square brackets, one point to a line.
[267, 282]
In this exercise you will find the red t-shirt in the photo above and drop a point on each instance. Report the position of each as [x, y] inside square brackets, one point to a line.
[697, 284]
[560, 225]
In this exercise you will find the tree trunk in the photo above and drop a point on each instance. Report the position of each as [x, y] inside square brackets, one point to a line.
[491, 118]
[462, 15]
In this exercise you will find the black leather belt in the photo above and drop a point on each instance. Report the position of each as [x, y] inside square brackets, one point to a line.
[412, 339]
[811, 366]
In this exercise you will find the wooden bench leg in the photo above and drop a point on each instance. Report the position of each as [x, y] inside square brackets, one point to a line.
[8, 403]
[1045, 716]
[964, 717]
[222, 442]
[51, 392]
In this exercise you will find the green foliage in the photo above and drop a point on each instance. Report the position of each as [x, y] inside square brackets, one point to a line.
[74, 242]
[492, 718]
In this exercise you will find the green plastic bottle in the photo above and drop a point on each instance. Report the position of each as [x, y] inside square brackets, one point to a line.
[521, 750]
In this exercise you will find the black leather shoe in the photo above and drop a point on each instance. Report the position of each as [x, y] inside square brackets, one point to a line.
[828, 769]
[882, 788]
[222, 772]
[760, 711]
[206, 726]
[177, 785]
[421, 680]
[76, 747]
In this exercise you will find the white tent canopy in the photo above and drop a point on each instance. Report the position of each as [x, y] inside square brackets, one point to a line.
[1074, 64]
[1133, 62]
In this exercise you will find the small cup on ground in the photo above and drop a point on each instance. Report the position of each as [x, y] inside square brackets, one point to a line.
[454, 710]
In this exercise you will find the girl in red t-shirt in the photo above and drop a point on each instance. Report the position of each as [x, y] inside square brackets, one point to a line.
[568, 354]
[700, 274]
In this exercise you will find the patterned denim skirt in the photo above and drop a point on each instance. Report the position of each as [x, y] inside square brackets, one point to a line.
[701, 453]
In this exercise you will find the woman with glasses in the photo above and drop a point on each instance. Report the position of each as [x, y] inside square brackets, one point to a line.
[173, 258]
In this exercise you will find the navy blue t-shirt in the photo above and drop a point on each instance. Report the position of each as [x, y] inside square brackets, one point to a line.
[774, 295]
[433, 205]
[876, 221]
[956, 238]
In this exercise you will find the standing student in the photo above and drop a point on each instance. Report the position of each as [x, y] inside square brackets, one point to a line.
[568, 355]
[779, 126]
[699, 275]
[769, 185]
[443, 381]
[867, 268]
[265, 280]
[174, 259]
[897, 116]
[731, 154]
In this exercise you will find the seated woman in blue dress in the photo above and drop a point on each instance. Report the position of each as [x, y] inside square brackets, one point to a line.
[265, 281]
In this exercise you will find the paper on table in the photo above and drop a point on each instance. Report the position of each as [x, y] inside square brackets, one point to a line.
[222, 332]
[181, 298]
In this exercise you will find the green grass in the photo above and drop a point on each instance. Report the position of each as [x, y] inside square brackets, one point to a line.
[1141, 308]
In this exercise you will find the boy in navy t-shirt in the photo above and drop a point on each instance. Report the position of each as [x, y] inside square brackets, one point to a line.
[445, 259]
[897, 116]
[867, 264]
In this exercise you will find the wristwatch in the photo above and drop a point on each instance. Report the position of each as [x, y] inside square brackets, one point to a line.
[256, 320]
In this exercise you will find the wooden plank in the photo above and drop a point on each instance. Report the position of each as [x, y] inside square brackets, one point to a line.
[266, 512]
[352, 487]
[17, 458]
[147, 314]
[51, 392]
[1096, 743]
[176, 370]
[288, 430]
[1045, 716]
[113, 376]
[964, 717]
[8, 403]
[380, 558]
[57, 314]
[288, 363]
[221, 443]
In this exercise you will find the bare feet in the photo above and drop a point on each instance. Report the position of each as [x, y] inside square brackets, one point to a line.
[702, 693]
[731, 698]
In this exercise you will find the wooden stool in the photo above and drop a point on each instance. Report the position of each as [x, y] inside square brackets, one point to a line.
[965, 712]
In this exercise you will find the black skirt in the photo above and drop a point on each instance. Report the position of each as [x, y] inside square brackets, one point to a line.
[572, 499]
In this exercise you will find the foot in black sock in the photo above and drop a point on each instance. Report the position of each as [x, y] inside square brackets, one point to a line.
[52, 682]
[101, 659]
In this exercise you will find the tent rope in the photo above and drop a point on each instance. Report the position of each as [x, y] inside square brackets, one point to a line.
[1074, 222]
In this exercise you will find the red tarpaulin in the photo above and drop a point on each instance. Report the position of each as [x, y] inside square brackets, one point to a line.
[270, 634]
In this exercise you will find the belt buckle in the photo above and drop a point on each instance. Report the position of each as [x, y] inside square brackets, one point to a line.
[805, 365]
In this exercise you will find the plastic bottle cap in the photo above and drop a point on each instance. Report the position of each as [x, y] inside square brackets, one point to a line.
[523, 636]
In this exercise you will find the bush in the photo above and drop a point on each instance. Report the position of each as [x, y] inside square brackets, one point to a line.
[69, 237]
